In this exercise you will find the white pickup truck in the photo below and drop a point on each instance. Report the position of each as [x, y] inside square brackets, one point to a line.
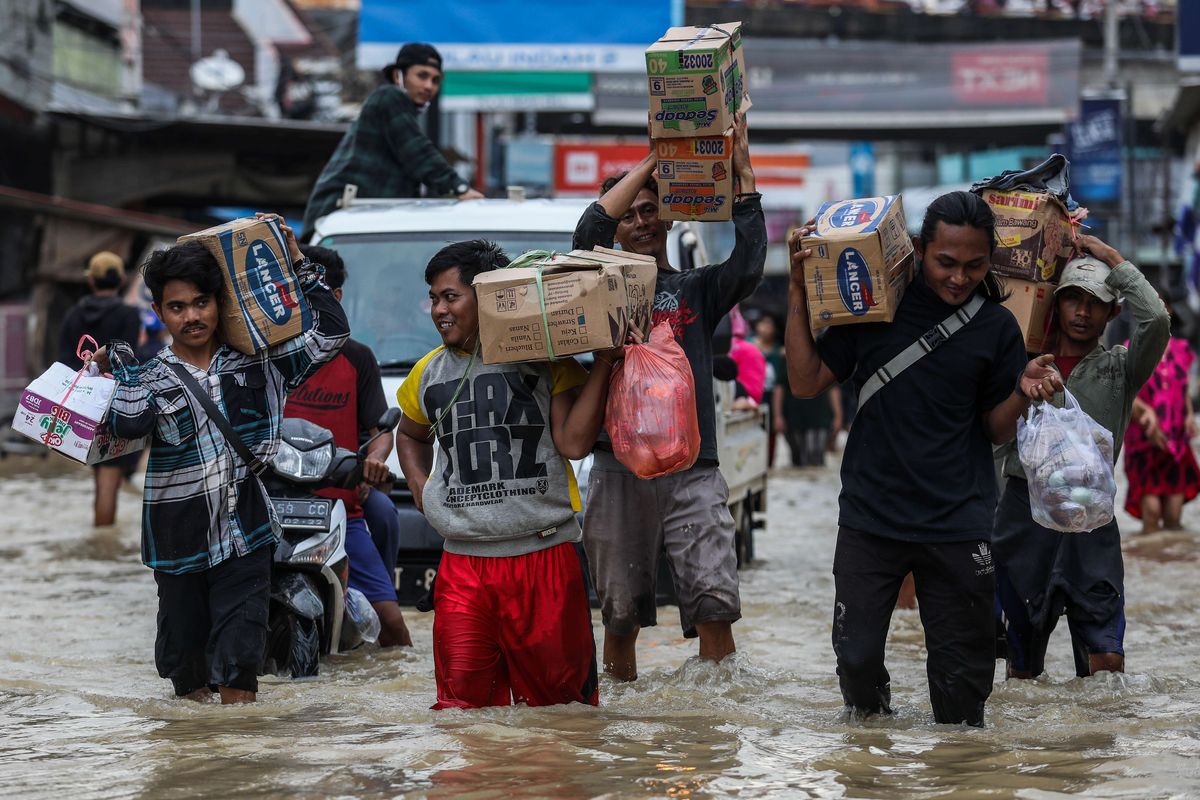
[386, 245]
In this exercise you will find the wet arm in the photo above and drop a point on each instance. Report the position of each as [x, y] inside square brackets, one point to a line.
[576, 416]
[1038, 381]
[414, 451]
[808, 375]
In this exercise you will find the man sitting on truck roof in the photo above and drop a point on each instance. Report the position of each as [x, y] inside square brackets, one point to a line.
[385, 153]
[628, 519]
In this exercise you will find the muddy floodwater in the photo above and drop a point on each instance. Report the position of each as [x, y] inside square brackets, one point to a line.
[83, 714]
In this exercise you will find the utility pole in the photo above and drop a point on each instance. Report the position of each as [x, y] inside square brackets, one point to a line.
[1111, 44]
[1125, 234]
[196, 31]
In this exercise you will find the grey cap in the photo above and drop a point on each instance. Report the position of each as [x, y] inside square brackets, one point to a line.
[1089, 274]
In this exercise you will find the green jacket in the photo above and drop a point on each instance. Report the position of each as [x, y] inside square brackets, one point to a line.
[1105, 381]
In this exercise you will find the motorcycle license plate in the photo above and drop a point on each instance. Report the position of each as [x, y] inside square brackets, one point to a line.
[307, 514]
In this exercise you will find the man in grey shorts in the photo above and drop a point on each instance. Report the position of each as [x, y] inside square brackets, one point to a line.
[630, 520]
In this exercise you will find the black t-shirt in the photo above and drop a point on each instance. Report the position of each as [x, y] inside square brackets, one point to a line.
[918, 465]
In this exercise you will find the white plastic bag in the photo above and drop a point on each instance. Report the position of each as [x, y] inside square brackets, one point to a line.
[360, 622]
[1068, 460]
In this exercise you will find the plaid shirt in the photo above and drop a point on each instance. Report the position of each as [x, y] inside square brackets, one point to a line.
[202, 504]
[385, 154]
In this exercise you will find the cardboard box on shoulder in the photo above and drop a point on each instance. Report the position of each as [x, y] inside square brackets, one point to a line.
[1032, 303]
[262, 304]
[861, 263]
[696, 79]
[695, 177]
[1033, 234]
[588, 300]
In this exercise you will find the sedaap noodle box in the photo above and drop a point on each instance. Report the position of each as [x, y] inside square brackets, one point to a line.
[696, 78]
[695, 178]
[861, 263]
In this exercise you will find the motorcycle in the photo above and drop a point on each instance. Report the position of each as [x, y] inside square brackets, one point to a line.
[312, 610]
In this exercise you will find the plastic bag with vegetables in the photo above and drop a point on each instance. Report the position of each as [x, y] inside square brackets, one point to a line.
[1068, 460]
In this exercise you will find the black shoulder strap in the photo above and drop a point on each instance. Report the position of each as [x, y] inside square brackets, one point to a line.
[256, 465]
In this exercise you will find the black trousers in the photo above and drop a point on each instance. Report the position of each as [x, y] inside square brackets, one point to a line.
[955, 584]
[212, 624]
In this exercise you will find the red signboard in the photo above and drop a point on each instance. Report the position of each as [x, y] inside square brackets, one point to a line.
[1016, 76]
[580, 168]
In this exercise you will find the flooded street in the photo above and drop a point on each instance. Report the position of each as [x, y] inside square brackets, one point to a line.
[83, 712]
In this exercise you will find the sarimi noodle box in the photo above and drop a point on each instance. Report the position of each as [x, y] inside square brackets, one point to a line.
[261, 304]
[861, 262]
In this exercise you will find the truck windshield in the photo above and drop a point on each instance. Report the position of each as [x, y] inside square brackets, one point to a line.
[385, 296]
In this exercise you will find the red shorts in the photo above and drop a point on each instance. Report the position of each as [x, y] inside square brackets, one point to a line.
[515, 629]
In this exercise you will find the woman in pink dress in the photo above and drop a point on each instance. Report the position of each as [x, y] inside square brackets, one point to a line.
[1159, 462]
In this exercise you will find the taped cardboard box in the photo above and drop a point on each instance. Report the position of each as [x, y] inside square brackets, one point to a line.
[697, 80]
[861, 263]
[1033, 235]
[1033, 306]
[67, 411]
[587, 300]
[695, 177]
[262, 304]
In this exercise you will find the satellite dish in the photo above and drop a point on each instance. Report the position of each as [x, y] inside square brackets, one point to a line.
[217, 73]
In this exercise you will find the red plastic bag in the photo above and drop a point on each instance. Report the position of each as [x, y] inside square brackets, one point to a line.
[651, 412]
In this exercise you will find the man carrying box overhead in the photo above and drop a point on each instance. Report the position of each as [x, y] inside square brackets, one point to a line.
[918, 484]
[1042, 574]
[630, 520]
[385, 153]
[484, 448]
[208, 527]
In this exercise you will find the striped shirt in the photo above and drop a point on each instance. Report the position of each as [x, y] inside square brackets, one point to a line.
[202, 505]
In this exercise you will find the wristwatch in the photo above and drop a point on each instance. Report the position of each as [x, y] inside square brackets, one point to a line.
[462, 187]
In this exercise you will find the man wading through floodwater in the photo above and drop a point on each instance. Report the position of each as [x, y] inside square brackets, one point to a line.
[918, 488]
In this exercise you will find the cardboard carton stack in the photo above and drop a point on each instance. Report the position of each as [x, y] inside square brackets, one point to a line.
[696, 78]
[861, 263]
[571, 303]
[1033, 244]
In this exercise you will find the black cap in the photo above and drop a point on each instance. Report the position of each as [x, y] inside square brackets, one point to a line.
[414, 53]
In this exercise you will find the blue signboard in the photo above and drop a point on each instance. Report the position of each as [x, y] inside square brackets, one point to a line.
[581, 36]
[1095, 146]
[1187, 26]
[862, 168]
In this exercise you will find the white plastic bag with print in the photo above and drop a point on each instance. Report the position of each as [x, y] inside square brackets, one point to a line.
[1068, 460]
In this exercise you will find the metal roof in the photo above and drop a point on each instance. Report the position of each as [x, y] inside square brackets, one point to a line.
[482, 216]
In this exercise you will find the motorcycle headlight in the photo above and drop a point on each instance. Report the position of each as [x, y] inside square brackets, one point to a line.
[302, 465]
[319, 553]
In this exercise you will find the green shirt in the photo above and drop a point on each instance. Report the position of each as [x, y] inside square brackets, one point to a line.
[1106, 381]
[385, 154]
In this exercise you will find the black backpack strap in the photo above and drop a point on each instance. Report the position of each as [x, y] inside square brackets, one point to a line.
[256, 465]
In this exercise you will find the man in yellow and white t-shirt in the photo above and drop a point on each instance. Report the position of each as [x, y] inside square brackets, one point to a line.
[511, 617]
